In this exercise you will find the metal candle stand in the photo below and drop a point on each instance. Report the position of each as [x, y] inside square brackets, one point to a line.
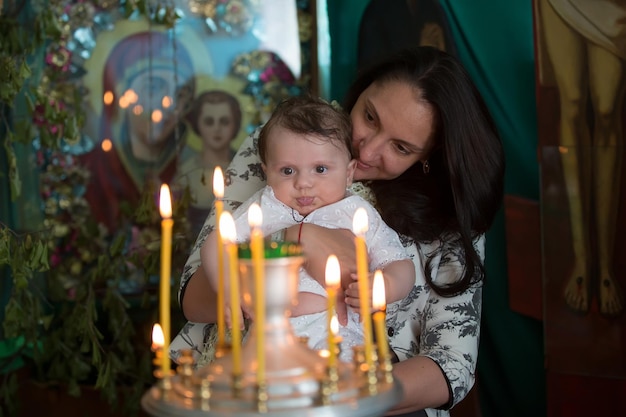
[298, 379]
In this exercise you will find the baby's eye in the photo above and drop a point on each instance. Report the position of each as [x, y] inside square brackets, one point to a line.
[287, 171]
[368, 116]
[320, 169]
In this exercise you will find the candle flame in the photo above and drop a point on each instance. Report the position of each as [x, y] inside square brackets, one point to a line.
[157, 116]
[227, 228]
[255, 216]
[378, 291]
[218, 183]
[334, 325]
[333, 273]
[158, 340]
[165, 206]
[359, 222]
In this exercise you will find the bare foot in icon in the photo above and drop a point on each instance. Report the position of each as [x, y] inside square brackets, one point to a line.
[577, 289]
[611, 298]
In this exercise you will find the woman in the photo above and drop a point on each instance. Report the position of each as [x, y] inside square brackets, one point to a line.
[429, 155]
[150, 79]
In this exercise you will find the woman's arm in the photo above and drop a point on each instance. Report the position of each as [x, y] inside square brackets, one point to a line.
[199, 300]
[423, 385]
[443, 372]
[435, 337]
[399, 279]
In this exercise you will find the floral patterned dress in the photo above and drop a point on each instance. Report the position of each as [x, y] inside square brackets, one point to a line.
[445, 329]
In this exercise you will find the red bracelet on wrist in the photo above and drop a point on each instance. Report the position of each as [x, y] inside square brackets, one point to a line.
[300, 232]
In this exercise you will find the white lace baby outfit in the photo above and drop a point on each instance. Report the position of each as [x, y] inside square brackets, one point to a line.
[383, 246]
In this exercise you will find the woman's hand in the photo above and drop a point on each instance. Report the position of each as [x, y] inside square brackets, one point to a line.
[318, 243]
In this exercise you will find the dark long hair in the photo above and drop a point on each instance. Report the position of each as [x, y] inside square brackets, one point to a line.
[459, 197]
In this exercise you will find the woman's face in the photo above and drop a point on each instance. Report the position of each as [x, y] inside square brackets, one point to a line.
[391, 130]
[152, 116]
[216, 125]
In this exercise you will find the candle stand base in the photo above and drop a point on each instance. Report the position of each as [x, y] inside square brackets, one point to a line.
[296, 377]
[344, 403]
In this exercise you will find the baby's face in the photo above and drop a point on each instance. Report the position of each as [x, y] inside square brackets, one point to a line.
[306, 172]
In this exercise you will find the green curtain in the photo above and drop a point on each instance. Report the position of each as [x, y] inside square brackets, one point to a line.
[495, 43]
[344, 17]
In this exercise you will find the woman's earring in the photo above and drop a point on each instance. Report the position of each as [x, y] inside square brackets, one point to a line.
[426, 166]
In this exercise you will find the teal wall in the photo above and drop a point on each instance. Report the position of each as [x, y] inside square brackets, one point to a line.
[495, 43]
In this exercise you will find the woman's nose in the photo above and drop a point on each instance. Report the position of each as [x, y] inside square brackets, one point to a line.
[369, 147]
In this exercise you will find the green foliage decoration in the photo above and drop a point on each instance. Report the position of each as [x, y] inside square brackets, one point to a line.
[70, 313]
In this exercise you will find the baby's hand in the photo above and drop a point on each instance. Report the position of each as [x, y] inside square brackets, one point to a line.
[352, 294]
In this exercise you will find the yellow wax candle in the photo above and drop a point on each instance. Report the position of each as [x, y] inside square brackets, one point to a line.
[255, 219]
[167, 224]
[227, 229]
[333, 329]
[333, 275]
[218, 191]
[379, 304]
[359, 226]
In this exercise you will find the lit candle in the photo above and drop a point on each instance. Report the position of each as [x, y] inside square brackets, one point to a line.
[218, 191]
[167, 224]
[332, 285]
[157, 348]
[229, 237]
[379, 305]
[359, 227]
[255, 219]
[333, 330]
[157, 337]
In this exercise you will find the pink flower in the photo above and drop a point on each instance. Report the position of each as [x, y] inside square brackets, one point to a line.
[55, 260]
[59, 58]
[71, 293]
